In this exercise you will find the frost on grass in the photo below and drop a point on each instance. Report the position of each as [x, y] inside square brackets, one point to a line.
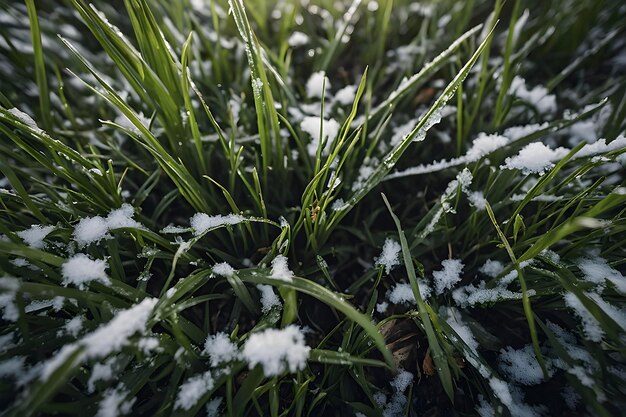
[223, 269]
[280, 269]
[448, 276]
[220, 349]
[201, 222]
[190, 392]
[94, 229]
[35, 235]
[534, 158]
[114, 403]
[80, 270]
[269, 299]
[390, 255]
[317, 129]
[108, 338]
[277, 350]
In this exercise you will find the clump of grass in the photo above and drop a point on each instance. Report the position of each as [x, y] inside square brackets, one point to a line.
[312, 208]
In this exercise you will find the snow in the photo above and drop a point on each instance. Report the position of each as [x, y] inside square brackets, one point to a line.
[201, 222]
[395, 406]
[520, 366]
[26, 119]
[390, 255]
[73, 326]
[484, 144]
[597, 270]
[403, 293]
[471, 295]
[382, 307]
[149, 344]
[346, 95]
[453, 318]
[80, 270]
[220, 349]
[223, 269]
[190, 392]
[100, 372]
[113, 403]
[330, 129]
[277, 350]
[94, 229]
[269, 299]
[448, 276]
[591, 327]
[537, 96]
[213, 407]
[402, 131]
[317, 83]
[491, 268]
[90, 230]
[108, 338]
[280, 269]
[9, 286]
[600, 146]
[534, 158]
[35, 235]
[297, 39]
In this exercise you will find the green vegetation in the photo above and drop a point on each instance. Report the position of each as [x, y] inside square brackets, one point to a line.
[312, 208]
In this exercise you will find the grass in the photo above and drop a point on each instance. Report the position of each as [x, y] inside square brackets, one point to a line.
[199, 106]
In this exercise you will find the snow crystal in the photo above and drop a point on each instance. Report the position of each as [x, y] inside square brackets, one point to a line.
[537, 96]
[190, 392]
[80, 269]
[223, 269]
[106, 339]
[534, 158]
[201, 222]
[269, 298]
[492, 268]
[317, 83]
[220, 349]
[35, 235]
[390, 255]
[329, 129]
[277, 350]
[591, 327]
[448, 276]
[297, 39]
[521, 365]
[346, 95]
[280, 269]
[113, 403]
[597, 270]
